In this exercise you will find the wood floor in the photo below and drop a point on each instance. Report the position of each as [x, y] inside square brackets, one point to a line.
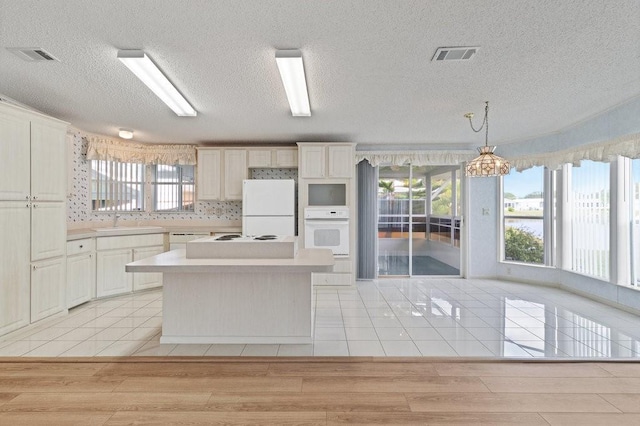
[315, 391]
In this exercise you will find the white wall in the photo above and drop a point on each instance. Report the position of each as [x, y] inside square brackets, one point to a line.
[481, 213]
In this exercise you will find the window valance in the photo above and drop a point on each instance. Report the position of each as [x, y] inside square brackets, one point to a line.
[417, 158]
[626, 146]
[99, 148]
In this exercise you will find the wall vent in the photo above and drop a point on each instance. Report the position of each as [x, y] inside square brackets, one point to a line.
[32, 54]
[455, 53]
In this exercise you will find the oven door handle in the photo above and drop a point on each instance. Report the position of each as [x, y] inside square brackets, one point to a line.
[325, 222]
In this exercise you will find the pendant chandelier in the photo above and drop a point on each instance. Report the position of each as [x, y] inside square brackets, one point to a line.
[487, 164]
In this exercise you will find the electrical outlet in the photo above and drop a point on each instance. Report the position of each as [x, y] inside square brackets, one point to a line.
[508, 271]
[485, 211]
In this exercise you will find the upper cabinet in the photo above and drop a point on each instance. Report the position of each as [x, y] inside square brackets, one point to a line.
[35, 148]
[283, 157]
[209, 171]
[220, 172]
[326, 160]
[235, 171]
[48, 161]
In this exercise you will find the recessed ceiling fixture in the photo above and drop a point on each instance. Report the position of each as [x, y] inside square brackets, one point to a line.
[32, 54]
[142, 66]
[455, 53]
[295, 85]
[487, 163]
[125, 134]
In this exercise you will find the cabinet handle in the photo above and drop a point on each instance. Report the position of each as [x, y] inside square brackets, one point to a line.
[81, 246]
[35, 205]
[35, 198]
[35, 267]
[27, 206]
[27, 197]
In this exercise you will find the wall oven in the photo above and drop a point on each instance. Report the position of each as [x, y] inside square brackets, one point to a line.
[327, 227]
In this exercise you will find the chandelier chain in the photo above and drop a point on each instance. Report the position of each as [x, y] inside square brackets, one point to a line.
[485, 124]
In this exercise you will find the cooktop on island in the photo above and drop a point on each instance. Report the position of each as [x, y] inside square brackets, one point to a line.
[236, 246]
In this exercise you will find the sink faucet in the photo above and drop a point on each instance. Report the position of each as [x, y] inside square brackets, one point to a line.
[116, 216]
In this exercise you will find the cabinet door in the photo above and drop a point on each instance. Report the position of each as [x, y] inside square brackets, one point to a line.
[287, 158]
[235, 171]
[47, 288]
[341, 161]
[111, 277]
[142, 280]
[259, 158]
[14, 265]
[81, 278]
[14, 152]
[48, 230]
[48, 161]
[312, 163]
[209, 171]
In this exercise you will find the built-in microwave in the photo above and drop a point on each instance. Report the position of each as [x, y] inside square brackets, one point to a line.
[327, 227]
[327, 194]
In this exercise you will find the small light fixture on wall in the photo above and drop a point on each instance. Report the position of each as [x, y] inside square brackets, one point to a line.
[125, 134]
[487, 164]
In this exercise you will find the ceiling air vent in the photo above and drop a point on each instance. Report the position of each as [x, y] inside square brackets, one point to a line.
[32, 54]
[455, 53]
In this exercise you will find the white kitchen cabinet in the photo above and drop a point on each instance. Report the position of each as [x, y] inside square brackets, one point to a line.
[209, 171]
[235, 171]
[220, 173]
[113, 254]
[312, 161]
[32, 216]
[14, 265]
[111, 277]
[47, 288]
[259, 158]
[340, 161]
[48, 230]
[144, 280]
[14, 156]
[48, 161]
[284, 157]
[81, 271]
[330, 160]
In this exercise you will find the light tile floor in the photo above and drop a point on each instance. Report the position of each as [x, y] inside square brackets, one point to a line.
[387, 317]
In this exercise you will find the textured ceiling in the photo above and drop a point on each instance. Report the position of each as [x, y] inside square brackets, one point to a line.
[543, 65]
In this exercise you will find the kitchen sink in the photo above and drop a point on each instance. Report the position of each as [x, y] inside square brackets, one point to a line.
[124, 230]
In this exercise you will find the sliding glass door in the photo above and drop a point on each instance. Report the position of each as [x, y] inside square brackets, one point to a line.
[418, 222]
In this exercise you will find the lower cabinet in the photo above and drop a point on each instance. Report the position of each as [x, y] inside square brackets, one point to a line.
[111, 278]
[81, 271]
[47, 288]
[113, 254]
[143, 281]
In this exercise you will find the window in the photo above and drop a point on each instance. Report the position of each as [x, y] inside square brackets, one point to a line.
[590, 205]
[174, 188]
[117, 186]
[635, 222]
[524, 212]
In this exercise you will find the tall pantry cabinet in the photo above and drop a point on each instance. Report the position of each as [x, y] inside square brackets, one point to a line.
[32, 216]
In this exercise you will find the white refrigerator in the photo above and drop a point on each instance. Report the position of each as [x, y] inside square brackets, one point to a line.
[268, 207]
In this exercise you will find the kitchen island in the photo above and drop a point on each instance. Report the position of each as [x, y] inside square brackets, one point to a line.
[252, 300]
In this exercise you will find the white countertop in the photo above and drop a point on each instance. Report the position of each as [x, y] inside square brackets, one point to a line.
[311, 260]
[78, 234]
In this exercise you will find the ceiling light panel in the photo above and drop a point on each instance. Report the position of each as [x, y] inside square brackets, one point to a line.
[144, 68]
[291, 69]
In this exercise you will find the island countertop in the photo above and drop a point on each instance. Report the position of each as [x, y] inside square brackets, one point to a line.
[312, 260]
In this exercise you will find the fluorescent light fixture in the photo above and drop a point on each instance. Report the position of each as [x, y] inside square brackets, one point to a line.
[125, 134]
[142, 66]
[292, 72]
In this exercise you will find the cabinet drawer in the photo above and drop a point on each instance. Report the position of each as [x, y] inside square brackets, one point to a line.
[129, 241]
[342, 265]
[331, 279]
[85, 245]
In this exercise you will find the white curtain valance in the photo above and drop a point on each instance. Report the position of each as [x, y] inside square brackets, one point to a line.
[626, 146]
[417, 158]
[131, 152]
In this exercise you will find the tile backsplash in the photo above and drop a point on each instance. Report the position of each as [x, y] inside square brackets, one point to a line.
[79, 202]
